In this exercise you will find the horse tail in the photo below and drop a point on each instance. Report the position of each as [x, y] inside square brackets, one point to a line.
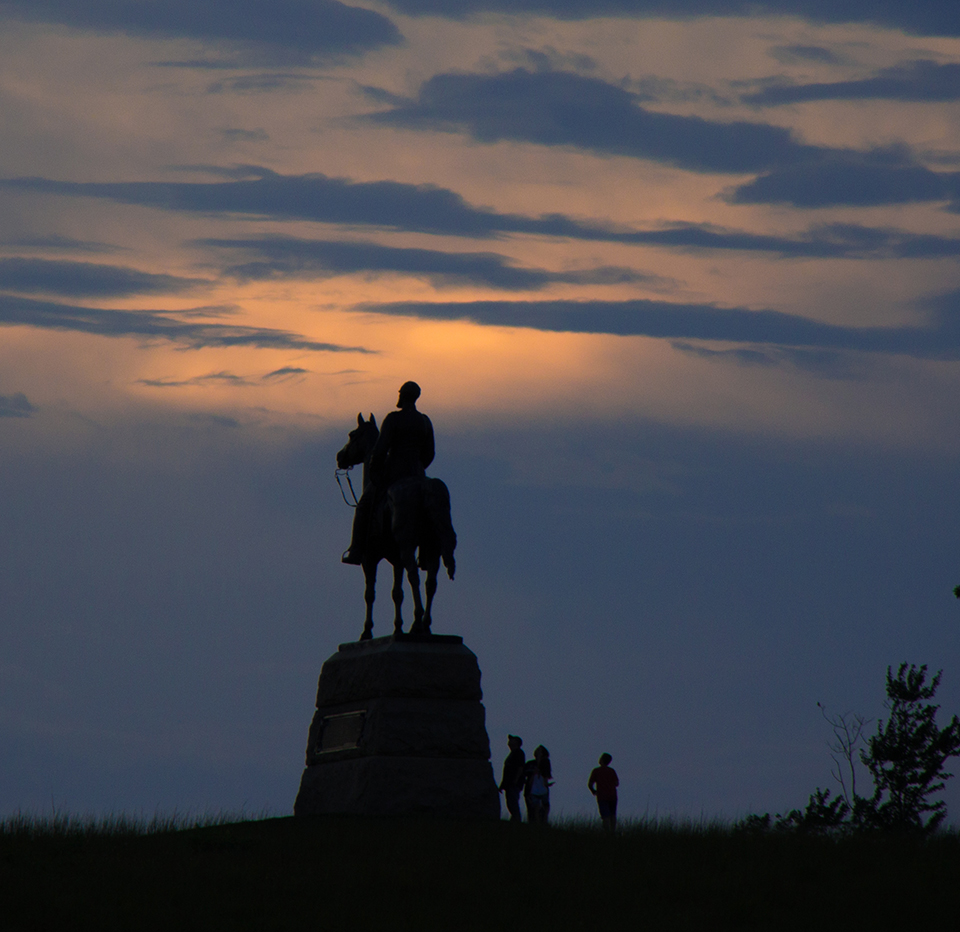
[436, 498]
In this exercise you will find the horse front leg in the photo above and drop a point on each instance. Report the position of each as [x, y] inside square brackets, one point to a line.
[369, 594]
[413, 576]
[398, 597]
[432, 570]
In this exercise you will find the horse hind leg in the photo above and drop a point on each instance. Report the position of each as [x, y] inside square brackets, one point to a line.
[437, 502]
[430, 588]
[450, 562]
[397, 597]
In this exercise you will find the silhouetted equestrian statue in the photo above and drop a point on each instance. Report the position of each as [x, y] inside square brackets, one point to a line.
[402, 515]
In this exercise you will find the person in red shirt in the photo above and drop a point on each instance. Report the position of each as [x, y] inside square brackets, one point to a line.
[603, 784]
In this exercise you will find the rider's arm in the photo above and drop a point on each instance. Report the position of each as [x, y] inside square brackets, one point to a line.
[428, 450]
[378, 456]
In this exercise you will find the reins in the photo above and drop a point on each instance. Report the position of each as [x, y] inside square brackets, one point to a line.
[346, 472]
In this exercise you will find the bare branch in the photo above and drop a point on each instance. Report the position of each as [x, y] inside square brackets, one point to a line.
[848, 732]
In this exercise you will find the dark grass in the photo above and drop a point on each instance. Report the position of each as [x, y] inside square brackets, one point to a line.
[332, 873]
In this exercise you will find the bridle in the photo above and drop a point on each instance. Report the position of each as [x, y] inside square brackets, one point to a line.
[340, 473]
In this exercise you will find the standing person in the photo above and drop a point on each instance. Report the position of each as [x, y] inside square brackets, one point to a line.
[527, 776]
[512, 779]
[603, 784]
[538, 778]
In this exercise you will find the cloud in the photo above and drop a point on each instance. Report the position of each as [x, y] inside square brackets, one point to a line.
[675, 321]
[835, 364]
[919, 17]
[258, 83]
[244, 135]
[213, 420]
[56, 243]
[290, 257]
[212, 378]
[431, 209]
[564, 109]
[252, 31]
[559, 108]
[547, 58]
[804, 53]
[16, 405]
[388, 204]
[151, 325]
[207, 311]
[824, 241]
[921, 80]
[284, 257]
[86, 279]
[858, 179]
[284, 373]
[226, 378]
[319, 198]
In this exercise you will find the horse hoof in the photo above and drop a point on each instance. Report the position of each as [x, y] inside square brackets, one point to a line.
[366, 636]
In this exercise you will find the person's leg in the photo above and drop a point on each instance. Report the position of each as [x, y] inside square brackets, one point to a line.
[512, 794]
[608, 814]
[534, 809]
[361, 520]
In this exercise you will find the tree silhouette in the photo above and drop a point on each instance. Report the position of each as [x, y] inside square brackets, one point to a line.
[906, 759]
[907, 755]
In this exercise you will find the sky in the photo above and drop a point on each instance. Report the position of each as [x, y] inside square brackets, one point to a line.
[680, 284]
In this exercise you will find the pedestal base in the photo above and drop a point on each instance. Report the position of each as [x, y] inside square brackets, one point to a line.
[400, 786]
[399, 730]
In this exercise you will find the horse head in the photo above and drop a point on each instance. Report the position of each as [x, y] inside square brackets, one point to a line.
[360, 443]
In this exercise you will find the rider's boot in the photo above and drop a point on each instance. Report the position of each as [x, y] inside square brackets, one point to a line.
[354, 553]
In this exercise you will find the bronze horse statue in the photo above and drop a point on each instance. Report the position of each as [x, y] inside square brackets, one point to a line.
[410, 527]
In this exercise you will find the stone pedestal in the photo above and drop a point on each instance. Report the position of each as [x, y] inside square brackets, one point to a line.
[399, 730]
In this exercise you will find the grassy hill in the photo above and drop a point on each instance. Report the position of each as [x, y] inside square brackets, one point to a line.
[397, 874]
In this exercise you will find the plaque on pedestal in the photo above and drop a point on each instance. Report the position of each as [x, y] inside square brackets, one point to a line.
[399, 730]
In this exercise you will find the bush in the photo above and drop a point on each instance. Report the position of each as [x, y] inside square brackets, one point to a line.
[822, 816]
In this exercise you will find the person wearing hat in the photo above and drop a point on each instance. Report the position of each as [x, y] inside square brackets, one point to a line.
[404, 450]
[512, 781]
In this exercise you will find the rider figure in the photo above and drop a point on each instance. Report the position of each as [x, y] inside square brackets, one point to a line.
[403, 450]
